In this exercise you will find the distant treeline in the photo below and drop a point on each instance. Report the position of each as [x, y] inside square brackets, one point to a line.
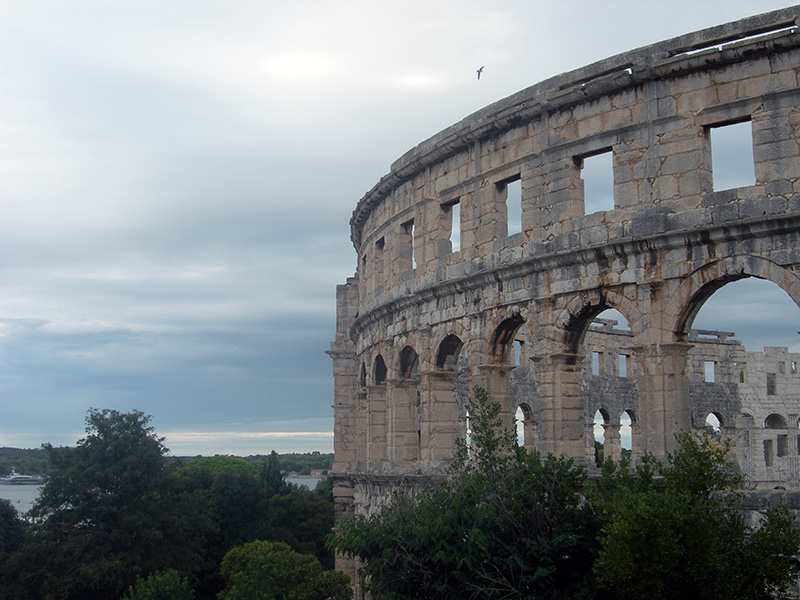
[302, 464]
[27, 461]
[35, 461]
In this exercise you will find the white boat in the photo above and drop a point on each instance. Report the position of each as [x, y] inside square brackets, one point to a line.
[15, 478]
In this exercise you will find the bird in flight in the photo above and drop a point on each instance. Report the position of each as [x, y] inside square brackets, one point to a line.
[479, 72]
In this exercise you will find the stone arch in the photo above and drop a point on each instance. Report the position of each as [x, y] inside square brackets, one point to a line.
[409, 363]
[775, 421]
[379, 370]
[700, 285]
[504, 336]
[448, 353]
[581, 310]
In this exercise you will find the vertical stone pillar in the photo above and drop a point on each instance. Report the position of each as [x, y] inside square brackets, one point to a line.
[612, 445]
[344, 407]
[376, 424]
[403, 438]
[361, 429]
[562, 429]
[663, 396]
[440, 423]
[495, 380]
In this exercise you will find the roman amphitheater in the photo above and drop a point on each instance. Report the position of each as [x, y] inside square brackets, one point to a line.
[484, 259]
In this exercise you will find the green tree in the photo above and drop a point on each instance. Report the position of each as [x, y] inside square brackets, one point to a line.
[263, 570]
[234, 500]
[680, 536]
[217, 465]
[505, 523]
[272, 476]
[163, 585]
[108, 512]
[303, 520]
[12, 528]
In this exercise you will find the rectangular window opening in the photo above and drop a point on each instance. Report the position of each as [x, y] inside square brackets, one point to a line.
[732, 163]
[408, 229]
[623, 365]
[453, 211]
[597, 172]
[770, 384]
[514, 205]
[783, 445]
[517, 352]
[595, 363]
[710, 371]
[378, 262]
[768, 453]
[794, 367]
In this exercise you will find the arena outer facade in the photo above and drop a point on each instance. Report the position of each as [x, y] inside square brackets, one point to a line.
[421, 323]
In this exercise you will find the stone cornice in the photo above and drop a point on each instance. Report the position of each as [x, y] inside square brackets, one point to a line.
[701, 50]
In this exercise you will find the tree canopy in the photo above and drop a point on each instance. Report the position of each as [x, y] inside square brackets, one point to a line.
[116, 515]
[673, 530]
[108, 512]
[264, 570]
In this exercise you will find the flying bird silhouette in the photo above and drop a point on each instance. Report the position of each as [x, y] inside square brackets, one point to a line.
[479, 72]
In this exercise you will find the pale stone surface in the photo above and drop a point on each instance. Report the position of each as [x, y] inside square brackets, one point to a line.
[669, 242]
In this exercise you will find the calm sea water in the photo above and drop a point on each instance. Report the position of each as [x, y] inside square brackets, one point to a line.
[21, 496]
[309, 482]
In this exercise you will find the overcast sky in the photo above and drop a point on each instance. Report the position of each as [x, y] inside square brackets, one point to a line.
[176, 180]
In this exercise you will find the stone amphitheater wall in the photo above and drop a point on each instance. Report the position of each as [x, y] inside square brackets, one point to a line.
[434, 310]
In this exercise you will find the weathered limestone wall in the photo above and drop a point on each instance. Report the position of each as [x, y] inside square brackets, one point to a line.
[761, 420]
[420, 324]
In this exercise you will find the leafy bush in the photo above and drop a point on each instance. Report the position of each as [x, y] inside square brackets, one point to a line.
[163, 585]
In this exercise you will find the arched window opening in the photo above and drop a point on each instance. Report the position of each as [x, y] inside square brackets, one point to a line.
[379, 371]
[523, 419]
[409, 363]
[503, 339]
[626, 433]
[713, 424]
[448, 354]
[754, 311]
[775, 421]
[748, 327]
[599, 428]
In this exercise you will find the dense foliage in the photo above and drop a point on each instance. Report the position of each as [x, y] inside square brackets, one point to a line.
[273, 571]
[673, 531]
[116, 516]
[161, 585]
[507, 523]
